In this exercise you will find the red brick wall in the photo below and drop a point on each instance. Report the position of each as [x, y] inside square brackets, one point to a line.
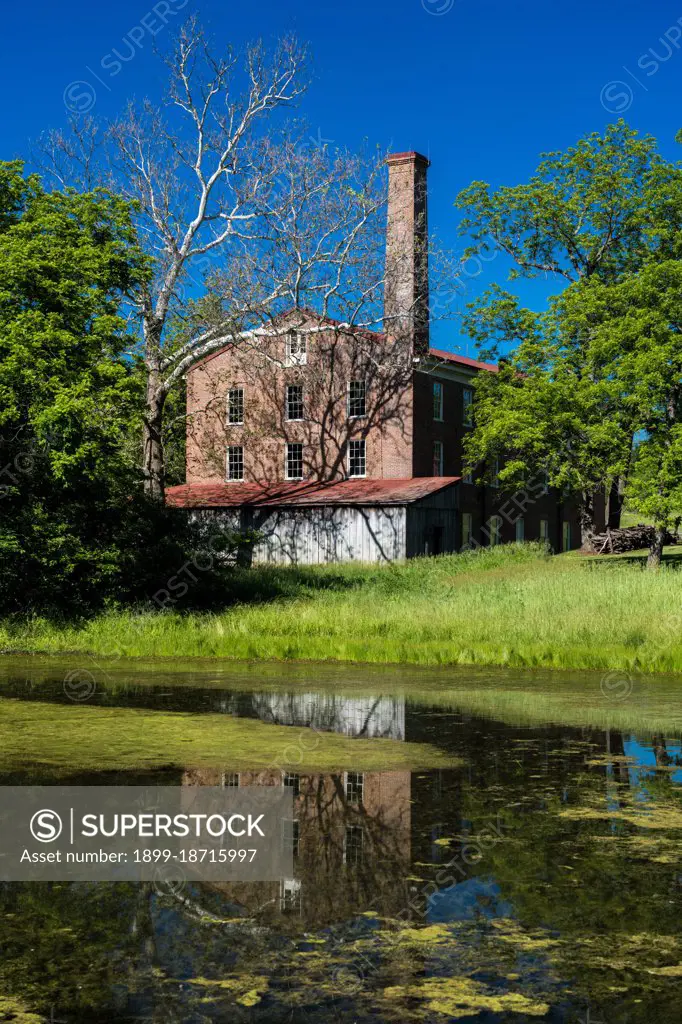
[333, 359]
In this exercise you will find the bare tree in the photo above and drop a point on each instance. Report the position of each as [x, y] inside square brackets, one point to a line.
[244, 217]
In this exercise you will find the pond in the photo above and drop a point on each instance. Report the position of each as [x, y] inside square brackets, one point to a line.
[469, 845]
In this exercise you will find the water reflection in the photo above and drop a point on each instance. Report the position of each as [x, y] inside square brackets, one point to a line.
[540, 880]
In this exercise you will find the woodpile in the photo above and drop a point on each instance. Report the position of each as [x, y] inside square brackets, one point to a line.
[631, 538]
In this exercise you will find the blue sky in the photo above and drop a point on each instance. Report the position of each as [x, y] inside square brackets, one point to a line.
[480, 86]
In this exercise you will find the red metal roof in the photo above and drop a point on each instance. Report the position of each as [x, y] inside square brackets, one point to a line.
[452, 357]
[336, 492]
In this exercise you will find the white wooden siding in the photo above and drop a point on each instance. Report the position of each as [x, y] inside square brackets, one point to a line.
[314, 535]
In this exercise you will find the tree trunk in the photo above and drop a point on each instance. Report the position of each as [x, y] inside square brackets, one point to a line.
[615, 503]
[587, 526]
[153, 466]
[656, 548]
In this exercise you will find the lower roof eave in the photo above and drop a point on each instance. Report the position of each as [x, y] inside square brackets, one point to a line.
[354, 492]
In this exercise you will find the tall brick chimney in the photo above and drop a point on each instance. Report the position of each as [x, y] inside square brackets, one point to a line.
[406, 289]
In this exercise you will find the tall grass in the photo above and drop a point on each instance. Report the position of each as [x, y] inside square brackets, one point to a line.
[511, 605]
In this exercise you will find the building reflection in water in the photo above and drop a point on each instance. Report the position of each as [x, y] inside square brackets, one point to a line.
[350, 830]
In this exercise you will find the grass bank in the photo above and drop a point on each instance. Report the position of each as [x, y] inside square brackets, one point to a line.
[511, 605]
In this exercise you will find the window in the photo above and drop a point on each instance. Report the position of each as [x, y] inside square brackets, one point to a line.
[235, 462]
[294, 401]
[357, 398]
[495, 530]
[544, 529]
[437, 400]
[355, 787]
[293, 782]
[357, 460]
[468, 478]
[352, 845]
[290, 895]
[566, 536]
[495, 477]
[296, 349]
[294, 462]
[235, 406]
[437, 458]
[290, 835]
[468, 407]
[229, 779]
[467, 529]
[520, 530]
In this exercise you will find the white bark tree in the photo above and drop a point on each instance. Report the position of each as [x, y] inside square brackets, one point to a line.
[243, 214]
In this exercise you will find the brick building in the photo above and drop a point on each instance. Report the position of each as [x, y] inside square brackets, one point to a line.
[338, 443]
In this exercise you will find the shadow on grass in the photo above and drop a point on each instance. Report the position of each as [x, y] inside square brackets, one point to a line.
[672, 559]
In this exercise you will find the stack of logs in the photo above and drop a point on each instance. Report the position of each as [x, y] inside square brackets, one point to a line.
[632, 538]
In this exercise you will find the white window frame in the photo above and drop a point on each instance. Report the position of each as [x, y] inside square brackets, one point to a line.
[354, 790]
[290, 891]
[234, 479]
[437, 447]
[356, 415]
[224, 776]
[437, 401]
[358, 441]
[296, 348]
[292, 780]
[358, 848]
[287, 446]
[495, 530]
[294, 419]
[240, 402]
[566, 535]
[544, 529]
[467, 407]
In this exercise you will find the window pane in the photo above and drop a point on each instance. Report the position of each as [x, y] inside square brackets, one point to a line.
[466, 529]
[296, 352]
[437, 400]
[235, 462]
[294, 401]
[293, 782]
[544, 529]
[290, 895]
[290, 835]
[468, 409]
[294, 464]
[437, 458]
[357, 398]
[353, 843]
[355, 786]
[230, 779]
[520, 529]
[357, 463]
[235, 405]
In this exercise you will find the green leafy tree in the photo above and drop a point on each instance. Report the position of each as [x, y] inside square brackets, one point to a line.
[635, 345]
[597, 213]
[73, 526]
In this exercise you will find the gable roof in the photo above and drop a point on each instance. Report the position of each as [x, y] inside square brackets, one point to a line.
[302, 493]
[453, 357]
[279, 322]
